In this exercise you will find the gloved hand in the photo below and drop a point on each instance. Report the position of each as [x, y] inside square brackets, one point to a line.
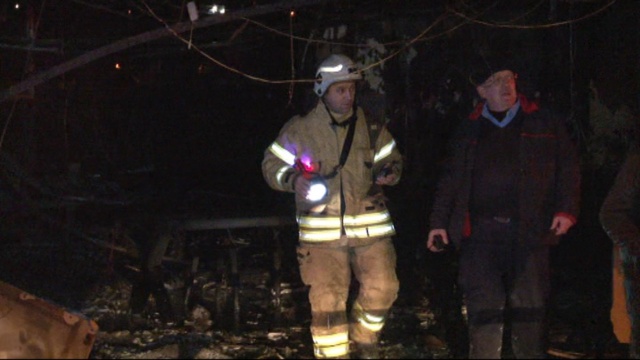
[301, 186]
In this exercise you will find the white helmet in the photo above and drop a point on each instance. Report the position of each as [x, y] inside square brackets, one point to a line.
[333, 69]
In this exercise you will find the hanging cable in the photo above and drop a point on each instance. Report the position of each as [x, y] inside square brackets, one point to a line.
[292, 13]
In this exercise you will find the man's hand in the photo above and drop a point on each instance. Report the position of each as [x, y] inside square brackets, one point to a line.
[561, 224]
[431, 243]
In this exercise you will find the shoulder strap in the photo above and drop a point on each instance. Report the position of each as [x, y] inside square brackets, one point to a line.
[348, 141]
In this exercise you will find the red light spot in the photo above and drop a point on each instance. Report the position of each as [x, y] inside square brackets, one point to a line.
[305, 165]
[308, 167]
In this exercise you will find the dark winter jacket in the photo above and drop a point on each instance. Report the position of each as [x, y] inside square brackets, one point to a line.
[549, 176]
[620, 211]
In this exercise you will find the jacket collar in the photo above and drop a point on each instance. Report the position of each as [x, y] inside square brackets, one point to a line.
[526, 105]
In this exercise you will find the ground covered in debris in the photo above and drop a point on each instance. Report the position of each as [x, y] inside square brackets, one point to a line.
[207, 335]
[247, 319]
[225, 320]
[257, 312]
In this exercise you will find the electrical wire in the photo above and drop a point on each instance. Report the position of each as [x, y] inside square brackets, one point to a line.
[422, 36]
[535, 26]
[292, 54]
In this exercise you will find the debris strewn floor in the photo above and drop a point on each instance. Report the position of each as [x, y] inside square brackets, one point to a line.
[260, 334]
[223, 321]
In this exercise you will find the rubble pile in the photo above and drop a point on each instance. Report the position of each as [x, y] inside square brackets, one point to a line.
[261, 333]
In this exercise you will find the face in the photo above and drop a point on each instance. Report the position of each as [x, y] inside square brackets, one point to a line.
[499, 90]
[340, 96]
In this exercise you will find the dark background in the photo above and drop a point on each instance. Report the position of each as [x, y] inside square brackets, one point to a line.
[187, 127]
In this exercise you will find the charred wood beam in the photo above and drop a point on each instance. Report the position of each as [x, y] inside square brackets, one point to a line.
[123, 44]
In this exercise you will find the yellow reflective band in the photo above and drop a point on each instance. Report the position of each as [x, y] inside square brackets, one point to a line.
[349, 220]
[319, 222]
[359, 226]
[331, 339]
[331, 345]
[384, 152]
[370, 231]
[367, 219]
[370, 326]
[282, 153]
[369, 321]
[331, 352]
[372, 319]
[326, 235]
[280, 174]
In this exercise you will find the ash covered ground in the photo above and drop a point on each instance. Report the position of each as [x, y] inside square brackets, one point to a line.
[224, 319]
[73, 253]
[261, 314]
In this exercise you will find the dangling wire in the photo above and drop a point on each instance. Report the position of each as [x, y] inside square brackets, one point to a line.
[292, 13]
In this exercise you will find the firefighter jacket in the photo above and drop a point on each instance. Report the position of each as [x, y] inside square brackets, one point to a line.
[620, 211]
[355, 205]
[549, 177]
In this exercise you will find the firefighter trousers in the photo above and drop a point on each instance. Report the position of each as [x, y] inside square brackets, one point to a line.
[328, 272]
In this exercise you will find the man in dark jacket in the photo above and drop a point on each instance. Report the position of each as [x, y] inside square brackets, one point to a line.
[620, 218]
[510, 189]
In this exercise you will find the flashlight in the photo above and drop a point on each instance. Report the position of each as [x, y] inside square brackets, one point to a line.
[318, 188]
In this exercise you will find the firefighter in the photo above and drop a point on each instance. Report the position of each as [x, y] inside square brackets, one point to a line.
[349, 230]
